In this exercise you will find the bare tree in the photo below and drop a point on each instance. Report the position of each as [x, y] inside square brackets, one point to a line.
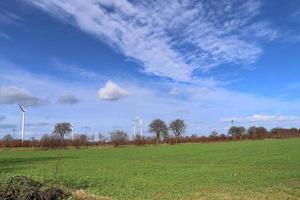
[62, 129]
[257, 132]
[7, 140]
[159, 128]
[91, 138]
[101, 138]
[178, 127]
[81, 140]
[235, 131]
[214, 133]
[118, 137]
[45, 141]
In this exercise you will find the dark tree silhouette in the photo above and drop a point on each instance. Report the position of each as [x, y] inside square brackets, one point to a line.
[7, 140]
[235, 131]
[214, 133]
[118, 137]
[159, 128]
[178, 127]
[62, 129]
[257, 132]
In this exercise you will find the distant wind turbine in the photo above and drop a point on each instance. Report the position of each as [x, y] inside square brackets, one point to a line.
[139, 121]
[134, 129]
[72, 133]
[141, 126]
[23, 111]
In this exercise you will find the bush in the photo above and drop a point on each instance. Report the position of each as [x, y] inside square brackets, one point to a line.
[54, 193]
[24, 188]
[118, 138]
[7, 140]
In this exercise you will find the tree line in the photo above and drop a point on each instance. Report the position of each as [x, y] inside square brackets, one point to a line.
[172, 133]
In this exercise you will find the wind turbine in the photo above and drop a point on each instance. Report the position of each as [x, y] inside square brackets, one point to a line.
[72, 133]
[23, 110]
[134, 130]
[139, 121]
[141, 126]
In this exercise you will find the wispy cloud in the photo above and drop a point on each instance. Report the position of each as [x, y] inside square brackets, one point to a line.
[7, 17]
[202, 106]
[263, 118]
[72, 70]
[37, 125]
[171, 38]
[6, 36]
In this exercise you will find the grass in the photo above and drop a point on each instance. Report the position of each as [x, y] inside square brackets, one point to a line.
[268, 169]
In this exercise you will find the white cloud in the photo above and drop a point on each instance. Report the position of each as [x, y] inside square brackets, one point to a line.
[17, 95]
[68, 99]
[263, 118]
[171, 38]
[112, 92]
[202, 106]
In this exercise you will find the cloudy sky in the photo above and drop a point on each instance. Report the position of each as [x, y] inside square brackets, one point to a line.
[101, 63]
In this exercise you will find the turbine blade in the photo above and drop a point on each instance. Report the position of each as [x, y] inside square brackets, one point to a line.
[22, 109]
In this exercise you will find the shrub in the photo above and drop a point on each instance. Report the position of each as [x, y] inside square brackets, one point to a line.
[54, 193]
[137, 140]
[80, 140]
[7, 140]
[118, 137]
[21, 188]
[24, 188]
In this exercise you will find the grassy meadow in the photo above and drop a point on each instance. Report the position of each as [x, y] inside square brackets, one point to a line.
[267, 169]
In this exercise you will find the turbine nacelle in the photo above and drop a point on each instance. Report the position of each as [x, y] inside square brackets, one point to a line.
[22, 108]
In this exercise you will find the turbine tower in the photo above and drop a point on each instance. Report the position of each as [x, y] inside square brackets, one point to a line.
[141, 126]
[134, 130]
[72, 133]
[23, 110]
[139, 121]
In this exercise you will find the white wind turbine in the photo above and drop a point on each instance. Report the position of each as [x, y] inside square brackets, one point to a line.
[72, 133]
[139, 121]
[141, 126]
[134, 129]
[23, 111]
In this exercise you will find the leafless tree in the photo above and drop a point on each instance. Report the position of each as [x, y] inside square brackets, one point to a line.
[214, 133]
[81, 140]
[7, 140]
[235, 131]
[45, 141]
[118, 137]
[101, 138]
[91, 138]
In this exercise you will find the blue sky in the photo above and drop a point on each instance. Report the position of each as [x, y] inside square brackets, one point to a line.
[99, 64]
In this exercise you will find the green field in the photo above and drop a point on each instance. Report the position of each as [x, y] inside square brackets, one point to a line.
[268, 169]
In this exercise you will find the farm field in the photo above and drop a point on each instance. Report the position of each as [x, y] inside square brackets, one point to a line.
[268, 169]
